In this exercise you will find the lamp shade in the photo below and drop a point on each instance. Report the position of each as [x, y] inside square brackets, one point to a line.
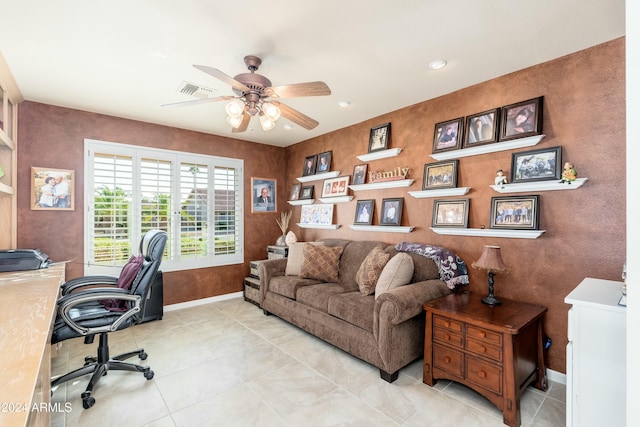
[491, 260]
[235, 108]
[271, 111]
[266, 122]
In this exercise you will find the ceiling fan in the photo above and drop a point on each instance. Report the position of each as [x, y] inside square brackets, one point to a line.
[254, 97]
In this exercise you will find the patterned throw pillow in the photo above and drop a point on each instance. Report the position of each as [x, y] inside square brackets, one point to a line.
[370, 269]
[294, 258]
[320, 262]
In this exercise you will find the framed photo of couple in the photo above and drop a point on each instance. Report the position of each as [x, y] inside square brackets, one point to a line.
[52, 189]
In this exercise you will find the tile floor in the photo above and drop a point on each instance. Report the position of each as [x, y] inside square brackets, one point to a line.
[226, 364]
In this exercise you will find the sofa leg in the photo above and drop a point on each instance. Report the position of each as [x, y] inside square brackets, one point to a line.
[389, 377]
[265, 312]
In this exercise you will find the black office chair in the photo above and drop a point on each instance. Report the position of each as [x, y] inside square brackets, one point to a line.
[94, 305]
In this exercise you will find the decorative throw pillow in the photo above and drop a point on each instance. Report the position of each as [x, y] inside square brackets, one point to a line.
[397, 272]
[125, 280]
[370, 269]
[320, 262]
[294, 258]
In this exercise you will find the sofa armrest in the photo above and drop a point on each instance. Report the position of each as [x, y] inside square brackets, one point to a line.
[269, 269]
[406, 301]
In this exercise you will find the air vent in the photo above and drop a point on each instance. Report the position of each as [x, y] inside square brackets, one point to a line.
[198, 91]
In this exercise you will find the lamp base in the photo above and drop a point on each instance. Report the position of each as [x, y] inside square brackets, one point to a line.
[491, 300]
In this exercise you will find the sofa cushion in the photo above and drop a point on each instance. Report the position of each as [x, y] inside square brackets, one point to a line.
[354, 308]
[423, 268]
[370, 269]
[317, 296]
[320, 262]
[397, 272]
[294, 258]
[288, 285]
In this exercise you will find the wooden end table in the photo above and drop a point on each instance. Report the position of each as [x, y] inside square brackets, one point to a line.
[495, 350]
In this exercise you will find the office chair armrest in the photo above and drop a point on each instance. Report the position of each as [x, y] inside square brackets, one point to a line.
[69, 302]
[80, 282]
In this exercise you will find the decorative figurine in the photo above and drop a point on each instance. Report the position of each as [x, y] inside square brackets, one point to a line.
[569, 173]
[501, 180]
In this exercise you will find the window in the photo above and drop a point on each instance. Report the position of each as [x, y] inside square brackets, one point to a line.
[196, 199]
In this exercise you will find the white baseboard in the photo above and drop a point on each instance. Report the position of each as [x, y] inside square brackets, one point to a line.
[556, 377]
[195, 303]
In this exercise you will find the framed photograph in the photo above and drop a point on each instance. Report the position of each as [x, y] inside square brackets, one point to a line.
[379, 137]
[295, 192]
[364, 212]
[521, 119]
[309, 167]
[448, 135]
[536, 165]
[263, 194]
[440, 175]
[450, 213]
[391, 212]
[324, 162]
[52, 189]
[481, 128]
[335, 186]
[306, 192]
[359, 174]
[515, 212]
[318, 214]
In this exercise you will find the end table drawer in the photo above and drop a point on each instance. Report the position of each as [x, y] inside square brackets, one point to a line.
[448, 360]
[484, 374]
[484, 349]
[447, 336]
[484, 335]
[449, 324]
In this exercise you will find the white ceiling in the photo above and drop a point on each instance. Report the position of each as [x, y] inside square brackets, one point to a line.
[128, 57]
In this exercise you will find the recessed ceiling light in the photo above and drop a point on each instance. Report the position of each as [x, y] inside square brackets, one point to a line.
[344, 104]
[437, 65]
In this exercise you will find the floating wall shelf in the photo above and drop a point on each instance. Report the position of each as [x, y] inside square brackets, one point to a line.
[442, 192]
[539, 186]
[318, 176]
[383, 228]
[392, 152]
[489, 232]
[382, 184]
[300, 202]
[320, 226]
[339, 199]
[489, 148]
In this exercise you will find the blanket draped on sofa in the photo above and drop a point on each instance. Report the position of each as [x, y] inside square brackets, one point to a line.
[453, 270]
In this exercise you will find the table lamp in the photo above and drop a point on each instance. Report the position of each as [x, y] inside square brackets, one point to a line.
[491, 260]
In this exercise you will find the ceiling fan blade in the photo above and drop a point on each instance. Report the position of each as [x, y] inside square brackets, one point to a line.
[223, 77]
[196, 101]
[298, 90]
[296, 116]
[244, 124]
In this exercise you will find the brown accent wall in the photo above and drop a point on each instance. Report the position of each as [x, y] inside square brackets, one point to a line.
[584, 112]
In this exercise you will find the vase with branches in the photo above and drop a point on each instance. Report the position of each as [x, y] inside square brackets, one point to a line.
[283, 223]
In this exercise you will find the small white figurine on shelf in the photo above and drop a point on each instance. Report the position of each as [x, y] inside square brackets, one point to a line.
[501, 180]
[569, 173]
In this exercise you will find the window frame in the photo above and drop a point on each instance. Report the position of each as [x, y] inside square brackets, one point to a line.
[172, 260]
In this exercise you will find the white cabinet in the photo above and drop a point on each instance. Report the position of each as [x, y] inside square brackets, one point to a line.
[596, 355]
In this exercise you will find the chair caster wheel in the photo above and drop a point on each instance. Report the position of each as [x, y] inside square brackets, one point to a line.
[149, 374]
[87, 400]
[143, 356]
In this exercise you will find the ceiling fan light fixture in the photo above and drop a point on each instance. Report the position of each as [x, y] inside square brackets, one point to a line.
[235, 108]
[271, 111]
[267, 122]
[234, 121]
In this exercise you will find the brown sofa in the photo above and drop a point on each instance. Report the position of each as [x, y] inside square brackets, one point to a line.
[387, 332]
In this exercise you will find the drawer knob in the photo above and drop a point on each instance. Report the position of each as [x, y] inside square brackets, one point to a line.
[447, 359]
[482, 374]
[483, 335]
[447, 324]
[447, 337]
[483, 349]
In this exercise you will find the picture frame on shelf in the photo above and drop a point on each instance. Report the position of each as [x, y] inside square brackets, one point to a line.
[364, 212]
[52, 189]
[359, 174]
[379, 137]
[391, 211]
[537, 165]
[295, 192]
[481, 128]
[309, 167]
[263, 195]
[306, 192]
[440, 175]
[515, 212]
[317, 214]
[448, 135]
[521, 119]
[324, 162]
[335, 187]
[450, 213]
